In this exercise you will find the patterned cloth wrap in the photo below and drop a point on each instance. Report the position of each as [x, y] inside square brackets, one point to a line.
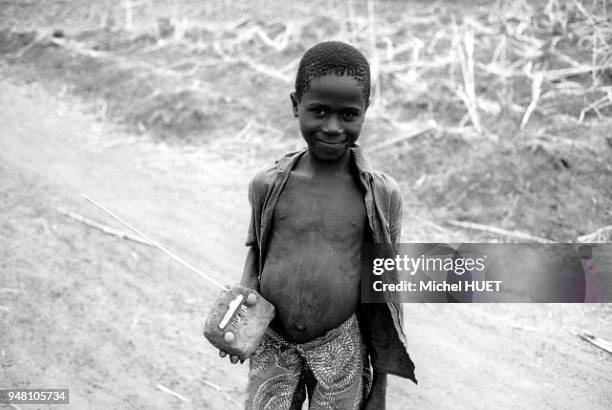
[333, 368]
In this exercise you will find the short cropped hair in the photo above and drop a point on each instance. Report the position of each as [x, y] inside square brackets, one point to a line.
[333, 57]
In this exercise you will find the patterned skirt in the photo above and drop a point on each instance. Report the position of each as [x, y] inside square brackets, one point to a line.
[332, 369]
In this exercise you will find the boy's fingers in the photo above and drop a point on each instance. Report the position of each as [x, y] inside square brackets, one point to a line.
[234, 359]
[222, 353]
[251, 299]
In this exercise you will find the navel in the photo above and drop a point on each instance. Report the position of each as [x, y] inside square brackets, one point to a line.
[299, 326]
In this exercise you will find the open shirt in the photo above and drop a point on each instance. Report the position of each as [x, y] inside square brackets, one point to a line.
[381, 324]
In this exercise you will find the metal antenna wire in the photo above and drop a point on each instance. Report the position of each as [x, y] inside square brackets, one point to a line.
[159, 246]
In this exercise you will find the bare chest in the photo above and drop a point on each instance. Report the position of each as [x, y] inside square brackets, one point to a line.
[331, 207]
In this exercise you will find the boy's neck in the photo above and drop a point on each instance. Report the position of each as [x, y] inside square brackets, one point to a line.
[316, 166]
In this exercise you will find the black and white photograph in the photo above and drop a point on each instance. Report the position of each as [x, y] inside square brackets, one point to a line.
[305, 205]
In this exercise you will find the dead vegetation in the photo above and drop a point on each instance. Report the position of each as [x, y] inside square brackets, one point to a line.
[515, 61]
[469, 105]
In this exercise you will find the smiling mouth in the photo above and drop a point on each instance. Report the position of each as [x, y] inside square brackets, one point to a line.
[332, 143]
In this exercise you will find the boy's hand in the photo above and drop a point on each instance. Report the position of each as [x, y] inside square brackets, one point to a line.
[233, 358]
[251, 300]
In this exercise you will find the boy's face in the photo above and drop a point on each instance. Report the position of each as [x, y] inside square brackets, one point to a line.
[330, 114]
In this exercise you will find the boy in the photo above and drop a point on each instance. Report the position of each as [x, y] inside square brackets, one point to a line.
[311, 212]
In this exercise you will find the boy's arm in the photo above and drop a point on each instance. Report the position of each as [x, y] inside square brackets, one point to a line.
[250, 276]
[376, 398]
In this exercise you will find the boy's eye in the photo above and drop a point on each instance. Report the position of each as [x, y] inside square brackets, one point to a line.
[319, 112]
[349, 115]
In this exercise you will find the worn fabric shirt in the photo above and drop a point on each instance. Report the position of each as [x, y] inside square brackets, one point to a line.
[381, 324]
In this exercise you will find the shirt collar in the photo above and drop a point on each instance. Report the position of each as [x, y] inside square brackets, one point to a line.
[361, 162]
[288, 161]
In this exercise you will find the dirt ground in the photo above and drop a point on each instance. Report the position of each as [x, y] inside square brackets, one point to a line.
[111, 319]
[116, 322]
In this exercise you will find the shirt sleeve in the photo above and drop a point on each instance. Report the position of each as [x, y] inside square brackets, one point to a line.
[395, 216]
[258, 190]
[387, 351]
[384, 334]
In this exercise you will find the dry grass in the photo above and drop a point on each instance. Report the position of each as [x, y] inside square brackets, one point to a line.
[515, 83]
[477, 64]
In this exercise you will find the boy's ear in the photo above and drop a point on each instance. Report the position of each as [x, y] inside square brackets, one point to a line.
[294, 103]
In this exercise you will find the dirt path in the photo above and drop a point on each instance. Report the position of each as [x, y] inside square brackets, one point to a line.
[111, 319]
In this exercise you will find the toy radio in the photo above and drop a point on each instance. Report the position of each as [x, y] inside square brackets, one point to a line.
[238, 321]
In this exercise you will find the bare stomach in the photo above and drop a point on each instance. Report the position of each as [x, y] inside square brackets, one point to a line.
[313, 285]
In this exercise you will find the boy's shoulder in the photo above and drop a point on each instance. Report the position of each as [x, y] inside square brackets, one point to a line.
[380, 181]
[268, 174]
[384, 180]
[386, 188]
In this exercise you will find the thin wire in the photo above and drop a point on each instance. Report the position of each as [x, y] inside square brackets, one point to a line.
[159, 246]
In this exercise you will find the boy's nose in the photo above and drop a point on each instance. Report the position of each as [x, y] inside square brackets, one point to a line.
[332, 126]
